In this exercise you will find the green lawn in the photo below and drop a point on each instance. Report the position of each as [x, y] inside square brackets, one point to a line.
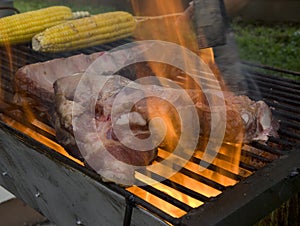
[271, 44]
[28, 5]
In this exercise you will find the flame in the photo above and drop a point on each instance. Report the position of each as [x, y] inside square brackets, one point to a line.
[37, 136]
[164, 205]
[173, 23]
[6, 48]
[172, 26]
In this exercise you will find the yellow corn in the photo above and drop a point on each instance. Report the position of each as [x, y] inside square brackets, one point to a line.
[85, 32]
[20, 28]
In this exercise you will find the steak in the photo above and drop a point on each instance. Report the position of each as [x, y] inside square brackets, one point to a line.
[34, 83]
[93, 127]
[88, 132]
[246, 120]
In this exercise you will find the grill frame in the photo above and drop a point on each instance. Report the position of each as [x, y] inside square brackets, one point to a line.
[45, 185]
[269, 188]
[133, 207]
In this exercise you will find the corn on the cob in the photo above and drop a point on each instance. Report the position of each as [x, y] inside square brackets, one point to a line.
[85, 32]
[20, 28]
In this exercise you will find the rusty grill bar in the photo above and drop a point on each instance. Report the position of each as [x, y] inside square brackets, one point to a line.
[282, 94]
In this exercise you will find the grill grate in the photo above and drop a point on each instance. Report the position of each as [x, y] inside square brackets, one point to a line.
[281, 94]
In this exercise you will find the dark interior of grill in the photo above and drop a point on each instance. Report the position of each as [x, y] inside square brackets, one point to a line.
[266, 83]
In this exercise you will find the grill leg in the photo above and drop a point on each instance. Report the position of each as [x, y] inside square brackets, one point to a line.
[130, 203]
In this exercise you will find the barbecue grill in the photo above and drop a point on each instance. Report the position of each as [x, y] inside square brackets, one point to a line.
[35, 168]
[70, 194]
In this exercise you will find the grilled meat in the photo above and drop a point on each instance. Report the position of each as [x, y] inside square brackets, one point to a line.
[34, 82]
[87, 125]
[92, 128]
[80, 120]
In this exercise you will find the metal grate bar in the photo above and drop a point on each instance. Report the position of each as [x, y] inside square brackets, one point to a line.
[290, 125]
[202, 179]
[186, 190]
[253, 74]
[166, 197]
[286, 115]
[179, 187]
[293, 135]
[283, 107]
[212, 167]
[281, 142]
[265, 82]
[258, 157]
[267, 148]
[281, 99]
[270, 68]
[244, 165]
[248, 167]
[270, 94]
[218, 169]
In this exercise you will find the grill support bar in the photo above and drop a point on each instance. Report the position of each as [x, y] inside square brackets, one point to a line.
[268, 188]
[130, 203]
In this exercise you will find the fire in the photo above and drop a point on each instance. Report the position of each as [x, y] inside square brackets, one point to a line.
[37, 136]
[170, 21]
[164, 205]
[7, 53]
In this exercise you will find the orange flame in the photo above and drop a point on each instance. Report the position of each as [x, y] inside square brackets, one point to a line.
[37, 136]
[169, 21]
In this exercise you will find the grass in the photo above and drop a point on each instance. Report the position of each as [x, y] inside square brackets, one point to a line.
[275, 45]
[28, 5]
